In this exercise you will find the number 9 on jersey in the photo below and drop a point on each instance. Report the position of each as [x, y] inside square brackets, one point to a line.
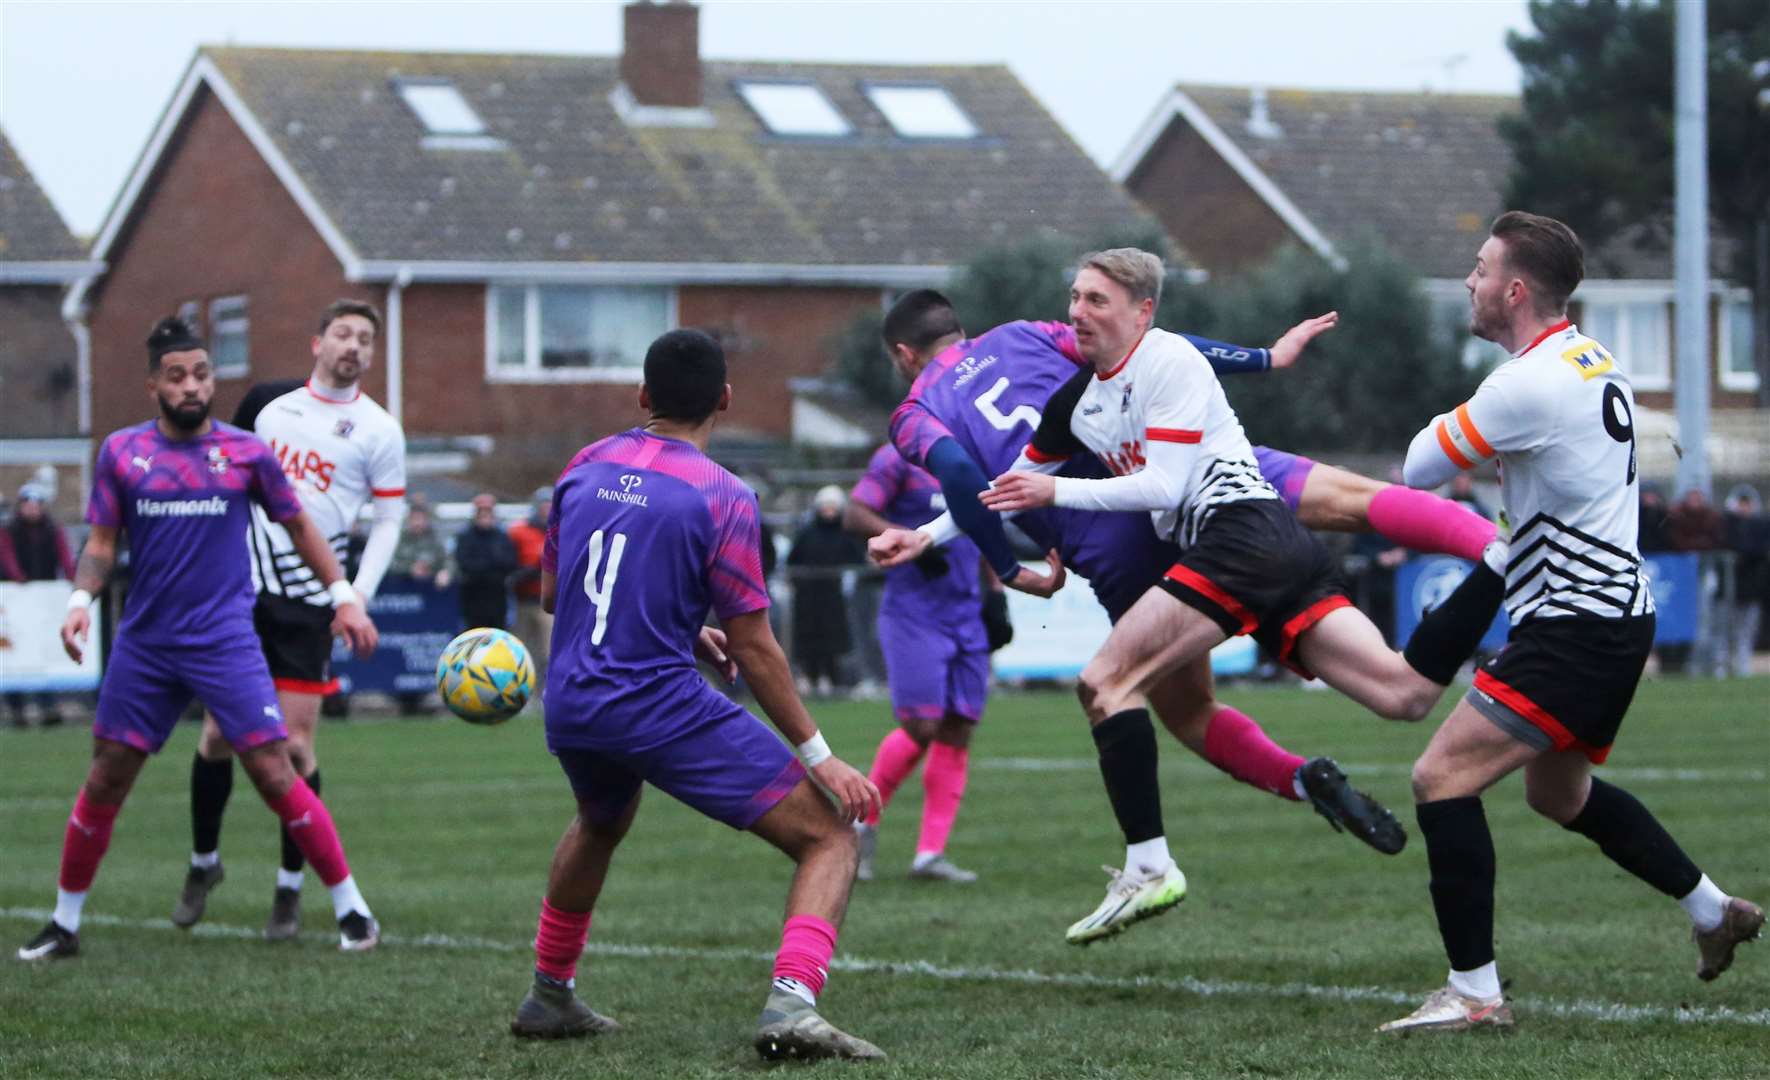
[485, 676]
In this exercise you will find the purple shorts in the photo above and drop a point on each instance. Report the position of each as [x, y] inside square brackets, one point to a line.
[1285, 472]
[935, 668]
[147, 687]
[720, 760]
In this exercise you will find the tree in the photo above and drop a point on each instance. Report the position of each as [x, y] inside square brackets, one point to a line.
[1594, 144]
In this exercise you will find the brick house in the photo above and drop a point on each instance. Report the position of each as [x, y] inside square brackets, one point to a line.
[529, 223]
[1235, 172]
[42, 368]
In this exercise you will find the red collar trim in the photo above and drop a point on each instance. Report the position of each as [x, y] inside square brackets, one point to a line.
[1120, 366]
[331, 401]
[1544, 336]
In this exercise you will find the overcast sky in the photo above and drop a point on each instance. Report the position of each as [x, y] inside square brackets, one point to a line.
[82, 84]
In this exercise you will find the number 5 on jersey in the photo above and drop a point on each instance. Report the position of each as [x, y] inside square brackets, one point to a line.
[601, 596]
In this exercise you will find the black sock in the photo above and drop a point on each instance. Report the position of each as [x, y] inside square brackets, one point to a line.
[1450, 632]
[1459, 849]
[293, 860]
[1126, 743]
[1635, 840]
[211, 783]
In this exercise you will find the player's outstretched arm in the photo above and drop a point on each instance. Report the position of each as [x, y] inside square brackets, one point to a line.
[1288, 349]
[350, 620]
[96, 560]
[751, 645]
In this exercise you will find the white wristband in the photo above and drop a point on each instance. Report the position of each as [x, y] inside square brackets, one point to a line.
[813, 751]
[80, 600]
[342, 594]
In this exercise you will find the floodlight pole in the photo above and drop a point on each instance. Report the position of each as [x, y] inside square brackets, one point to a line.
[1691, 259]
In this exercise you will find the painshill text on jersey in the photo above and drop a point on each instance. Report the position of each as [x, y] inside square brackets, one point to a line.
[213, 507]
[304, 466]
[970, 368]
[629, 493]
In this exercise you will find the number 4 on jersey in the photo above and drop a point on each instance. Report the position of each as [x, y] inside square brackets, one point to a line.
[602, 596]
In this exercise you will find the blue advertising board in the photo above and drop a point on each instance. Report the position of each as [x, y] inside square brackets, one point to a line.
[415, 621]
[1422, 584]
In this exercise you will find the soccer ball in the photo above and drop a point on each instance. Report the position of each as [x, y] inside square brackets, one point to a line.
[485, 676]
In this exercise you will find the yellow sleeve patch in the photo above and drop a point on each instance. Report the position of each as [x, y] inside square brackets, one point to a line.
[1589, 359]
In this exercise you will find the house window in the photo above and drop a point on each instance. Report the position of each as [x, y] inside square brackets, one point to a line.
[922, 112]
[793, 108]
[228, 334]
[1637, 331]
[1735, 326]
[573, 333]
[441, 108]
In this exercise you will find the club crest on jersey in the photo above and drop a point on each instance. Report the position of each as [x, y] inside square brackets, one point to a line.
[1125, 402]
[343, 428]
[219, 462]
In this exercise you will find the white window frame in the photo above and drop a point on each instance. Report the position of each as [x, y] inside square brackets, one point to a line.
[1746, 381]
[742, 86]
[219, 314]
[872, 91]
[1625, 351]
[531, 370]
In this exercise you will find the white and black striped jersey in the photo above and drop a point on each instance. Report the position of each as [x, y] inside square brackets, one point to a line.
[1560, 417]
[1160, 415]
[339, 455]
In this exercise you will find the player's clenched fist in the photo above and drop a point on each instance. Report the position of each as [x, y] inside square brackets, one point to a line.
[894, 547]
[855, 794]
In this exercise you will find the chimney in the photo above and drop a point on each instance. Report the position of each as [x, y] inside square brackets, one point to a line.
[1260, 122]
[661, 53]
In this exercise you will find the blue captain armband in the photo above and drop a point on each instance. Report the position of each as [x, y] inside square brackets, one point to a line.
[1227, 359]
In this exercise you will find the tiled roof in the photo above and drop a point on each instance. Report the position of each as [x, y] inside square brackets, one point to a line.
[574, 182]
[1424, 173]
[30, 229]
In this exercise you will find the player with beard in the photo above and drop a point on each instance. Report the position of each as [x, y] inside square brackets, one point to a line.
[340, 450]
[182, 486]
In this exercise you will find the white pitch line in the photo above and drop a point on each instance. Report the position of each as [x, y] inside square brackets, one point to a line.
[1578, 1009]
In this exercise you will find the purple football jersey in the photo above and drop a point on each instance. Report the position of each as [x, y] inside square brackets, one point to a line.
[646, 535]
[909, 496]
[987, 393]
[185, 507]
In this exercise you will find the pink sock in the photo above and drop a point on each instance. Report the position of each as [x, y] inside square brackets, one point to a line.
[807, 943]
[559, 941]
[1238, 746]
[943, 786]
[1428, 524]
[893, 762]
[312, 829]
[83, 845]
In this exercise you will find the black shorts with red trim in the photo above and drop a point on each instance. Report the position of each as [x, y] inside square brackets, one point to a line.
[1565, 683]
[297, 640]
[1256, 570]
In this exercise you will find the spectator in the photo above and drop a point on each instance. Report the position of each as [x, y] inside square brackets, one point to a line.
[1653, 521]
[421, 554]
[533, 626]
[1694, 525]
[1462, 490]
[1742, 600]
[820, 612]
[486, 559]
[34, 548]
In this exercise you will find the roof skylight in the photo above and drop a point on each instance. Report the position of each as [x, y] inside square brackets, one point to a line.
[922, 112]
[441, 108]
[793, 108]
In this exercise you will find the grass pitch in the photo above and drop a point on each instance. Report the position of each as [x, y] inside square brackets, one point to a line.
[1294, 943]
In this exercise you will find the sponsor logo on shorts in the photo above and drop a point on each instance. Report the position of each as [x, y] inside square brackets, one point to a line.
[211, 507]
[627, 494]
